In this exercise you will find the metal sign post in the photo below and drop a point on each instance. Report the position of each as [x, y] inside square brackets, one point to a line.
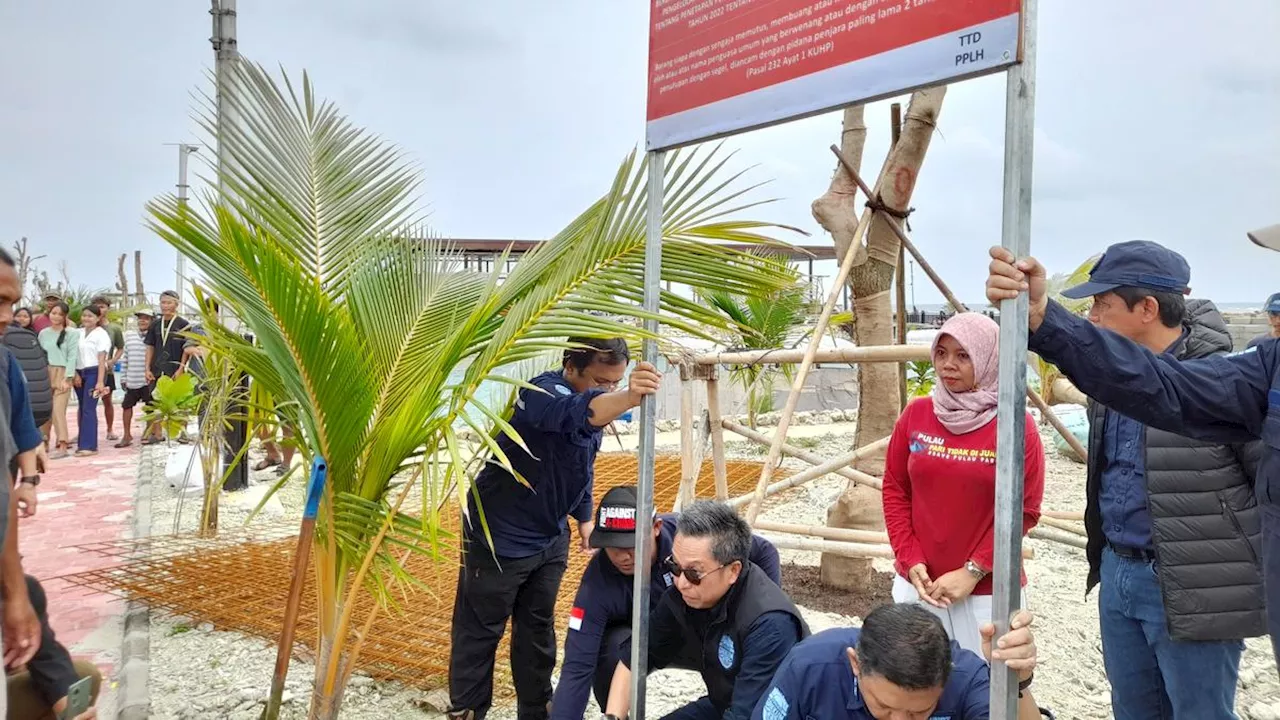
[648, 408]
[1011, 413]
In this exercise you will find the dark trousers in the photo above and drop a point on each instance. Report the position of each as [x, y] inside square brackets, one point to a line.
[490, 592]
[50, 672]
[611, 654]
[88, 413]
[1270, 512]
[700, 709]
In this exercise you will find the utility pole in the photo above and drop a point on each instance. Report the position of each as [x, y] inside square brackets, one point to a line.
[912, 263]
[226, 54]
[184, 150]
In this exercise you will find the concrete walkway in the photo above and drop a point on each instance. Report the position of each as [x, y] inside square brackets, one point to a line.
[81, 501]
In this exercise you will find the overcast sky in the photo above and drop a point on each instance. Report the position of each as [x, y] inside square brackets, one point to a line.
[1155, 119]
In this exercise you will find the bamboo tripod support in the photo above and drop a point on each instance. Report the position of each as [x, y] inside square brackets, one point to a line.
[894, 225]
[797, 384]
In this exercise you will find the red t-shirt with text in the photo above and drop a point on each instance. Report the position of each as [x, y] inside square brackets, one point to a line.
[939, 493]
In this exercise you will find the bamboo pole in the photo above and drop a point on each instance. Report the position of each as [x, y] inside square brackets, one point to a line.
[1063, 514]
[824, 532]
[894, 225]
[755, 498]
[1064, 525]
[855, 475]
[688, 473]
[850, 354]
[900, 282]
[802, 372]
[1058, 536]
[831, 547]
[715, 422]
[840, 534]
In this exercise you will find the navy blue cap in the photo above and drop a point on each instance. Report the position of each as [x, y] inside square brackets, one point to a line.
[1273, 304]
[1137, 263]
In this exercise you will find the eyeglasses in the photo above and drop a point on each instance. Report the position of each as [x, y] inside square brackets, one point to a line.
[695, 577]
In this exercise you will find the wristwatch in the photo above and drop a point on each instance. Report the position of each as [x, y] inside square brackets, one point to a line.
[32, 480]
[1024, 684]
[974, 570]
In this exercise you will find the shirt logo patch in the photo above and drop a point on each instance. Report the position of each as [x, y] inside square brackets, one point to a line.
[666, 577]
[727, 652]
[620, 519]
[575, 618]
[776, 705]
[563, 390]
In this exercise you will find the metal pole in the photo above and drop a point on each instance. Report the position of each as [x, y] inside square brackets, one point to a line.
[648, 408]
[184, 150]
[226, 52]
[1010, 418]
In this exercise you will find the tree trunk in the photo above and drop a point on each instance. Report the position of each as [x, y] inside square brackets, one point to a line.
[138, 291]
[122, 285]
[836, 211]
[871, 283]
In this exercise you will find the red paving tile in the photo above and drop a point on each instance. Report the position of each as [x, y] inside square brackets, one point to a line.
[81, 500]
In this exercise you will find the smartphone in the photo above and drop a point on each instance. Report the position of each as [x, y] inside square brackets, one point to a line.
[79, 698]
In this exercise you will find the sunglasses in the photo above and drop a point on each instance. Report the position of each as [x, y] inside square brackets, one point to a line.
[695, 577]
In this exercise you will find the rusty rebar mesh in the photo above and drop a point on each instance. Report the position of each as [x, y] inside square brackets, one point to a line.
[240, 583]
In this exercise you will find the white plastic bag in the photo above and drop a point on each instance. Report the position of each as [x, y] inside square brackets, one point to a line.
[182, 470]
[1076, 418]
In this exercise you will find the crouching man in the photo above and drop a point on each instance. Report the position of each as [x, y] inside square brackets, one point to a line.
[600, 622]
[900, 664]
[743, 623]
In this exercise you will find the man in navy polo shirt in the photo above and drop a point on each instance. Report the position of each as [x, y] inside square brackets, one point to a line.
[516, 535]
[600, 622]
[1219, 398]
[899, 664]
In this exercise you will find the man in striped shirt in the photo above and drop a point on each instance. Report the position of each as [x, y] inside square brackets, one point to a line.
[134, 375]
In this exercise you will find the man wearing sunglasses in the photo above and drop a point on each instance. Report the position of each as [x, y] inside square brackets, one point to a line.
[600, 622]
[899, 664]
[513, 561]
[743, 623]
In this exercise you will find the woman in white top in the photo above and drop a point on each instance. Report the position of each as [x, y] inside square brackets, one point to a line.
[91, 375]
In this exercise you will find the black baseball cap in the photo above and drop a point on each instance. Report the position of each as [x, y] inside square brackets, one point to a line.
[1137, 263]
[1273, 304]
[616, 519]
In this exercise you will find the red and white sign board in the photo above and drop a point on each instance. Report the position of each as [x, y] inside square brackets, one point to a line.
[717, 67]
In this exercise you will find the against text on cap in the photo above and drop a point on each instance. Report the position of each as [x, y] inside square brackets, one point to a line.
[616, 519]
[1137, 263]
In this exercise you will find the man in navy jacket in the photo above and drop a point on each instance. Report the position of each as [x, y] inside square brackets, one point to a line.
[600, 622]
[1232, 398]
[900, 663]
[516, 535]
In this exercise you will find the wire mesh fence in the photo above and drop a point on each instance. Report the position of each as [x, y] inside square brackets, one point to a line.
[239, 581]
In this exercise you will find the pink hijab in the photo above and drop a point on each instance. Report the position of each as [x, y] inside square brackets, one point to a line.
[965, 412]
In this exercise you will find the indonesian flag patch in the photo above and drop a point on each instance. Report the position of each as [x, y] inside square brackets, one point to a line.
[575, 618]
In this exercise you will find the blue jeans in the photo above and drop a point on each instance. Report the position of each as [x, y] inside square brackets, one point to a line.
[1153, 676]
[88, 414]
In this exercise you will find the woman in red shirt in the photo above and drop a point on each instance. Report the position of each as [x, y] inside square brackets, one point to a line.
[940, 479]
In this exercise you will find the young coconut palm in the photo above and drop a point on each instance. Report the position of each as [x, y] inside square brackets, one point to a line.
[380, 345]
[761, 321]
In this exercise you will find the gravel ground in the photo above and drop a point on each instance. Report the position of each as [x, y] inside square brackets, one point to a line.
[199, 672]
